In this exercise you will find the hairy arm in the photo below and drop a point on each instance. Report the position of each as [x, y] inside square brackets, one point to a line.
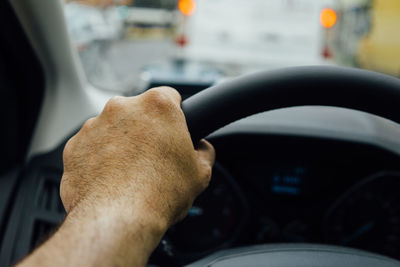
[129, 174]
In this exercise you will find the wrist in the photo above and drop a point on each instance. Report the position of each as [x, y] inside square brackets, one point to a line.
[124, 229]
[119, 213]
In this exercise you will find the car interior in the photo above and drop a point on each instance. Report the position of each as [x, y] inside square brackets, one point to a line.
[308, 158]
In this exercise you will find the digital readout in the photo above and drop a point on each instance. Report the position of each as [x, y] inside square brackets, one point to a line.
[288, 181]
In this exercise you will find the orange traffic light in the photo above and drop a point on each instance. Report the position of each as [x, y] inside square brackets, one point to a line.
[187, 7]
[328, 18]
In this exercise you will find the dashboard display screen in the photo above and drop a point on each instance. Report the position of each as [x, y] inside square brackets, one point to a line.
[288, 181]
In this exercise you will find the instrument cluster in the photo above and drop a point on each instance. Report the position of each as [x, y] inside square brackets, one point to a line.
[258, 198]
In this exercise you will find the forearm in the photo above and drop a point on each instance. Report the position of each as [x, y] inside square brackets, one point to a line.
[101, 237]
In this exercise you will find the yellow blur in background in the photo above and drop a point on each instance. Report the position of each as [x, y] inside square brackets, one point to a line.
[380, 49]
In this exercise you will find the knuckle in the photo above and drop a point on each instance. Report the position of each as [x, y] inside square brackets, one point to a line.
[88, 124]
[158, 99]
[171, 90]
[115, 104]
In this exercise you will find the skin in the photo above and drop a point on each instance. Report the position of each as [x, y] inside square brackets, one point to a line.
[129, 174]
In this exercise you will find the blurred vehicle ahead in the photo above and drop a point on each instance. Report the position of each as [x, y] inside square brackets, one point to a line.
[247, 35]
[151, 19]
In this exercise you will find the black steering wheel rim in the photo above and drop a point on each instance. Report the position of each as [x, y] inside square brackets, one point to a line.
[227, 102]
[362, 90]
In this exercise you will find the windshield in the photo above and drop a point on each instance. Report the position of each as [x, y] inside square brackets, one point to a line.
[123, 44]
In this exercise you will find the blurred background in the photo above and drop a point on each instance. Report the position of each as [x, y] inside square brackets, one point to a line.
[128, 46]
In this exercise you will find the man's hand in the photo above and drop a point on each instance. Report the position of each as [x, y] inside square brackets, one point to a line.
[138, 149]
[129, 174]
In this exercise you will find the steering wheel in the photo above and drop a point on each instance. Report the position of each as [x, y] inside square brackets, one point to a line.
[227, 102]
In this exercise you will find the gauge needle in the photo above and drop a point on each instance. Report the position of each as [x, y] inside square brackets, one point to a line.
[359, 232]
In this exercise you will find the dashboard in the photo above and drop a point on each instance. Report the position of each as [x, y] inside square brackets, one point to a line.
[306, 176]
[289, 189]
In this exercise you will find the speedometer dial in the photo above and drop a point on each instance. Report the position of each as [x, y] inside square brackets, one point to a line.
[368, 216]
